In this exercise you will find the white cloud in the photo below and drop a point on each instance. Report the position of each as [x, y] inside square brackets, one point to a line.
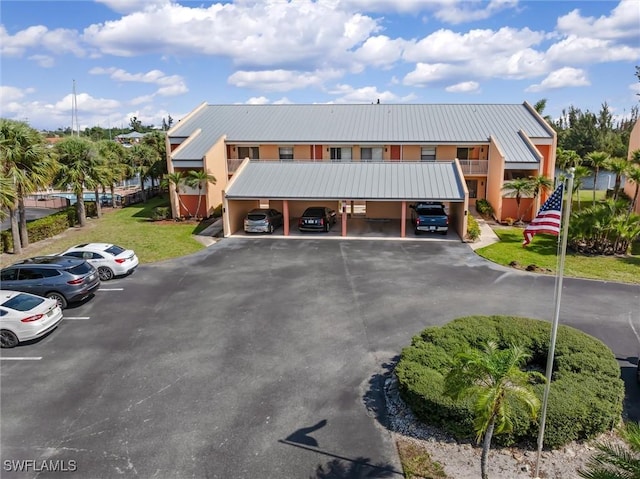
[169, 85]
[258, 100]
[426, 73]
[45, 61]
[583, 50]
[635, 87]
[367, 94]
[464, 87]
[250, 33]
[462, 12]
[86, 102]
[624, 22]
[56, 41]
[562, 78]
[280, 80]
[380, 51]
[130, 6]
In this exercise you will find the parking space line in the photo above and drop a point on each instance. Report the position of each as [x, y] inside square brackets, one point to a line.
[111, 289]
[76, 318]
[32, 358]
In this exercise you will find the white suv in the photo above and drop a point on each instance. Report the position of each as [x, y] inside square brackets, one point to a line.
[110, 260]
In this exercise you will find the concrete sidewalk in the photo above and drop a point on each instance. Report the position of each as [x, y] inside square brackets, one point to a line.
[487, 235]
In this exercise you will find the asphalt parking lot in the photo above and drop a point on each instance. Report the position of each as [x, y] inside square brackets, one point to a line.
[258, 358]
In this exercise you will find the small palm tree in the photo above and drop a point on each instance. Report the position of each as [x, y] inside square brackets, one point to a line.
[566, 159]
[199, 179]
[579, 174]
[117, 169]
[493, 380]
[518, 188]
[175, 180]
[539, 184]
[598, 159]
[618, 166]
[633, 174]
[616, 461]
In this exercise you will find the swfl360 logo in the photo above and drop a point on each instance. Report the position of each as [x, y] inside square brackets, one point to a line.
[31, 465]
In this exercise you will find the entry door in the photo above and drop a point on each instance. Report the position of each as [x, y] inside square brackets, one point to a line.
[395, 152]
[317, 154]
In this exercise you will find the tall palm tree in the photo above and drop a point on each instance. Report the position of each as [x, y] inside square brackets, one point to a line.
[8, 195]
[175, 180]
[579, 174]
[518, 188]
[598, 159]
[157, 141]
[79, 169]
[566, 159]
[29, 164]
[141, 158]
[613, 461]
[494, 382]
[117, 168]
[618, 166]
[199, 179]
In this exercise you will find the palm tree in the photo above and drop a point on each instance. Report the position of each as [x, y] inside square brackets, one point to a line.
[566, 159]
[114, 155]
[79, 169]
[598, 159]
[141, 158]
[539, 184]
[8, 195]
[493, 380]
[618, 166]
[579, 174]
[175, 180]
[29, 164]
[157, 141]
[518, 188]
[613, 461]
[633, 174]
[199, 179]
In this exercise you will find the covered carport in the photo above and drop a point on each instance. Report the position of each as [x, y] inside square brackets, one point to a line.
[385, 188]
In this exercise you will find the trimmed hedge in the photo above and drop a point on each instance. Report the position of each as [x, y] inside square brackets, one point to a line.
[49, 226]
[484, 207]
[586, 393]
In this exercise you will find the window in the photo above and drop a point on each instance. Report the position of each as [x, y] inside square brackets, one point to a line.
[9, 275]
[30, 273]
[340, 154]
[472, 186]
[462, 153]
[428, 153]
[286, 153]
[371, 154]
[517, 174]
[251, 152]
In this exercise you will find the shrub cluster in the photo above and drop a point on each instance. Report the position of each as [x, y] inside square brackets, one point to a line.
[160, 213]
[586, 390]
[484, 207]
[473, 228]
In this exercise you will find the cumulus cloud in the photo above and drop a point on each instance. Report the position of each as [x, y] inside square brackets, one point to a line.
[622, 23]
[581, 50]
[367, 94]
[56, 41]
[380, 51]
[428, 73]
[562, 78]
[464, 87]
[130, 6]
[45, 61]
[169, 85]
[280, 80]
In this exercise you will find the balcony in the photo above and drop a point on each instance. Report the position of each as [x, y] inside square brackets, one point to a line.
[474, 167]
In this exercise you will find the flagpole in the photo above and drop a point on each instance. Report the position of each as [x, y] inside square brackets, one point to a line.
[556, 316]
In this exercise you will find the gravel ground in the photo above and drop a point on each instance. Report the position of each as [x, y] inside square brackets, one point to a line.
[462, 460]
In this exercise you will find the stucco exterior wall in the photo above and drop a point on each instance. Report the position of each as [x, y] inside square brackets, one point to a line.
[495, 174]
[634, 144]
[385, 209]
[411, 153]
[445, 152]
[215, 163]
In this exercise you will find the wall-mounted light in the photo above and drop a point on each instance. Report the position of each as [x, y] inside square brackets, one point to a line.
[385, 148]
[482, 183]
[327, 149]
[234, 148]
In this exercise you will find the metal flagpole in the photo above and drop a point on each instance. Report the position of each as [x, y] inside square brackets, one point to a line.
[556, 316]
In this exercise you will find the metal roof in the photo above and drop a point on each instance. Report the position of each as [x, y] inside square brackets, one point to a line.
[362, 124]
[348, 181]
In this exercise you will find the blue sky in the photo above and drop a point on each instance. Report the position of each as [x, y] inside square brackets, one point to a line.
[154, 58]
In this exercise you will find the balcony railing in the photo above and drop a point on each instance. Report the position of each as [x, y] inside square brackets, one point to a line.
[469, 167]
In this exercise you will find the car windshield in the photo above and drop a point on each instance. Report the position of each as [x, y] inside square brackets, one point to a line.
[82, 268]
[23, 302]
[257, 216]
[314, 212]
[115, 250]
[430, 211]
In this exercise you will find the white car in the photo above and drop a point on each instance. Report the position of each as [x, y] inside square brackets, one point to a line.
[109, 259]
[25, 316]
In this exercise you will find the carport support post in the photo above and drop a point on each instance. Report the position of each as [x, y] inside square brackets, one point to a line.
[285, 213]
[403, 220]
[344, 217]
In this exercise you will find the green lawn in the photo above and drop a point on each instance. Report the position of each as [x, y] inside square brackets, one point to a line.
[129, 227]
[542, 251]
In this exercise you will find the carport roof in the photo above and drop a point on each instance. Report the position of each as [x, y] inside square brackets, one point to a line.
[348, 181]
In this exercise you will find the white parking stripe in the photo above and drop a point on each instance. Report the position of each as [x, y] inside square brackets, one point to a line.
[77, 317]
[111, 289]
[33, 358]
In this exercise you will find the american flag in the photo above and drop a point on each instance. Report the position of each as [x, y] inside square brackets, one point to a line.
[548, 219]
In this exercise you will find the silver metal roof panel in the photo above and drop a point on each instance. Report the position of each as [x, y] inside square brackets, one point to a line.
[348, 181]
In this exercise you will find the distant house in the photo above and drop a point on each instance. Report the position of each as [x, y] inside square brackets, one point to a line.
[380, 157]
[130, 138]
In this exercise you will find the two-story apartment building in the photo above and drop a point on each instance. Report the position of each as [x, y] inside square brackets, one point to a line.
[379, 157]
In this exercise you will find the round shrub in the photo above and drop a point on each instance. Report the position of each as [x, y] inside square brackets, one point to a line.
[586, 392]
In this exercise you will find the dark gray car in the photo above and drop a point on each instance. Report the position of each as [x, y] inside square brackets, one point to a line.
[67, 280]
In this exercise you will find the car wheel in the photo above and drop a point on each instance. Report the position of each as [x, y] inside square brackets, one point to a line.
[271, 228]
[60, 299]
[8, 339]
[105, 273]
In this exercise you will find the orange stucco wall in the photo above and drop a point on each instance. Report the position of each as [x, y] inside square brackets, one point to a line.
[510, 208]
[634, 144]
[495, 178]
[383, 209]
